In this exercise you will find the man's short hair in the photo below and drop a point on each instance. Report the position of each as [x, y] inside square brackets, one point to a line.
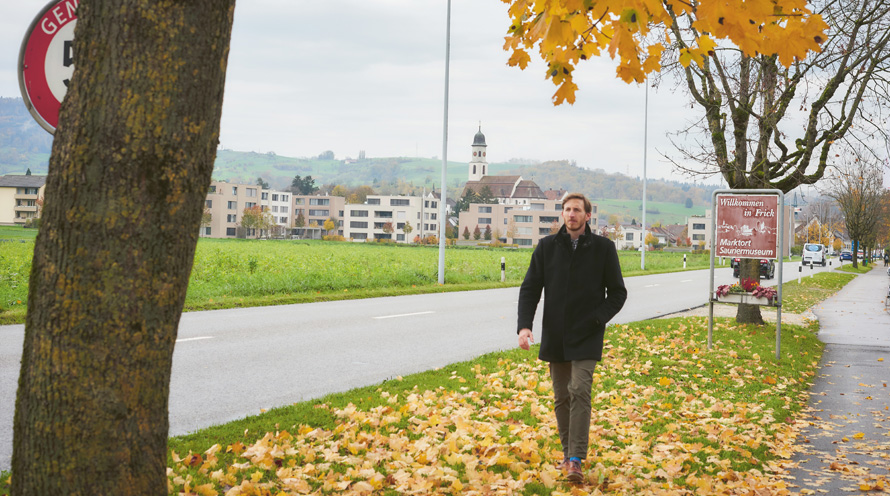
[588, 208]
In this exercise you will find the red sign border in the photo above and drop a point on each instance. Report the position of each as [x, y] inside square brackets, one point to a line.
[777, 248]
[32, 77]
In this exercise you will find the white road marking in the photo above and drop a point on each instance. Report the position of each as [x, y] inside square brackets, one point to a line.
[651, 285]
[193, 339]
[403, 315]
[687, 280]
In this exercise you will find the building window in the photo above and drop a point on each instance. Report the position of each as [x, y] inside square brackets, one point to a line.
[207, 231]
[284, 209]
[484, 210]
[231, 218]
[358, 225]
[320, 201]
[400, 237]
[251, 192]
[544, 231]
[249, 204]
[230, 231]
[235, 190]
[284, 198]
[360, 236]
[275, 208]
[522, 218]
[383, 214]
[698, 227]
[527, 231]
[318, 213]
[523, 242]
[549, 220]
[358, 213]
[698, 237]
[212, 189]
[264, 195]
[629, 237]
[298, 201]
[208, 203]
[373, 201]
[282, 220]
[484, 220]
[232, 205]
[399, 202]
[382, 236]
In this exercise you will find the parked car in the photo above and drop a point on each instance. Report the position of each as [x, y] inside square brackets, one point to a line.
[767, 268]
[846, 255]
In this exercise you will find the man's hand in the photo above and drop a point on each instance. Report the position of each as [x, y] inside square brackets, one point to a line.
[526, 338]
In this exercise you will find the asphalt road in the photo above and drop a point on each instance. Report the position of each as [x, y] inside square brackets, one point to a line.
[229, 364]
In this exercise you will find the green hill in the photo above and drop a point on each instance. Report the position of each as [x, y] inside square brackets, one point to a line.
[24, 145]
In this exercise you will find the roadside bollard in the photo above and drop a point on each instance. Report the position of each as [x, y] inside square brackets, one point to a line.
[812, 268]
[799, 270]
[503, 269]
[684, 260]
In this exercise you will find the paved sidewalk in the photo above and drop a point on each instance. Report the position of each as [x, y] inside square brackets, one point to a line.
[845, 446]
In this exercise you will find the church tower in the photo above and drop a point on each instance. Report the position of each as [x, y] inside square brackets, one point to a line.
[479, 164]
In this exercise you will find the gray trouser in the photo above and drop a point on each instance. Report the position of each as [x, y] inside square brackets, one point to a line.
[571, 393]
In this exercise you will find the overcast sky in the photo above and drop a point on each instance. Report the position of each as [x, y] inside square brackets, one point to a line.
[350, 75]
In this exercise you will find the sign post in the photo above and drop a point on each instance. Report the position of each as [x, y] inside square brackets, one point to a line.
[748, 223]
[46, 61]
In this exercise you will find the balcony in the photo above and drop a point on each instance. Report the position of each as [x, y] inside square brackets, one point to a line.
[24, 208]
[25, 197]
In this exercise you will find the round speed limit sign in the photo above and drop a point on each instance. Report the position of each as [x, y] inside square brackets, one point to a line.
[46, 61]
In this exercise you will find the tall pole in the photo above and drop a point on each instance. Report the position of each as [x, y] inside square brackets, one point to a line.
[442, 209]
[645, 136]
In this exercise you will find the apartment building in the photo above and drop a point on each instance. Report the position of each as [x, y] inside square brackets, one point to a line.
[313, 210]
[372, 219]
[19, 197]
[522, 224]
[698, 229]
[280, 206]
[226, 203]
[627, 237]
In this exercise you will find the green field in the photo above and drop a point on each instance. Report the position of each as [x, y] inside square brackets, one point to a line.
[244, 273]
[666, 213]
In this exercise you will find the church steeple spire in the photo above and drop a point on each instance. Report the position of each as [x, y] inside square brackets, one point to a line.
[478, 166]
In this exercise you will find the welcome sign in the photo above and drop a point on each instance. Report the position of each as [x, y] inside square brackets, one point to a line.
[747, 226]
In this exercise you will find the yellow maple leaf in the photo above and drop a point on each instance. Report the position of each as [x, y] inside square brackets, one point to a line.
[206, 490]
[859, 435]
[565, 93]
[519, 58]
[665, 381]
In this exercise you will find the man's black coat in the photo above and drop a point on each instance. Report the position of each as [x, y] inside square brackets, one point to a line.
[583, 290]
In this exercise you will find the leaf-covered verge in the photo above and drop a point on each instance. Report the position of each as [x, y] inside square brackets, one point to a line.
[860, 269]
[797, 298]
[670, 417]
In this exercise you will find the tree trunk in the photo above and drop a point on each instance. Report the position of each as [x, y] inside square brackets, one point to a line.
[749, 269]
[129, 171]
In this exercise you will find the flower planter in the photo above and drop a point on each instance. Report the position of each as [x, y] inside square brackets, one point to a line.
[746, 298]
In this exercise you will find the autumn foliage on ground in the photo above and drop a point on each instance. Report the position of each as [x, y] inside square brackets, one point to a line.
[670, 417]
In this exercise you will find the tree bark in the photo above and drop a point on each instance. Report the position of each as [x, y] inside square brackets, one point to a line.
[129, 171]
[749, 269]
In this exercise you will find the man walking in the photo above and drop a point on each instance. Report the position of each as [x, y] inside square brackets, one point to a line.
[581, 278]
